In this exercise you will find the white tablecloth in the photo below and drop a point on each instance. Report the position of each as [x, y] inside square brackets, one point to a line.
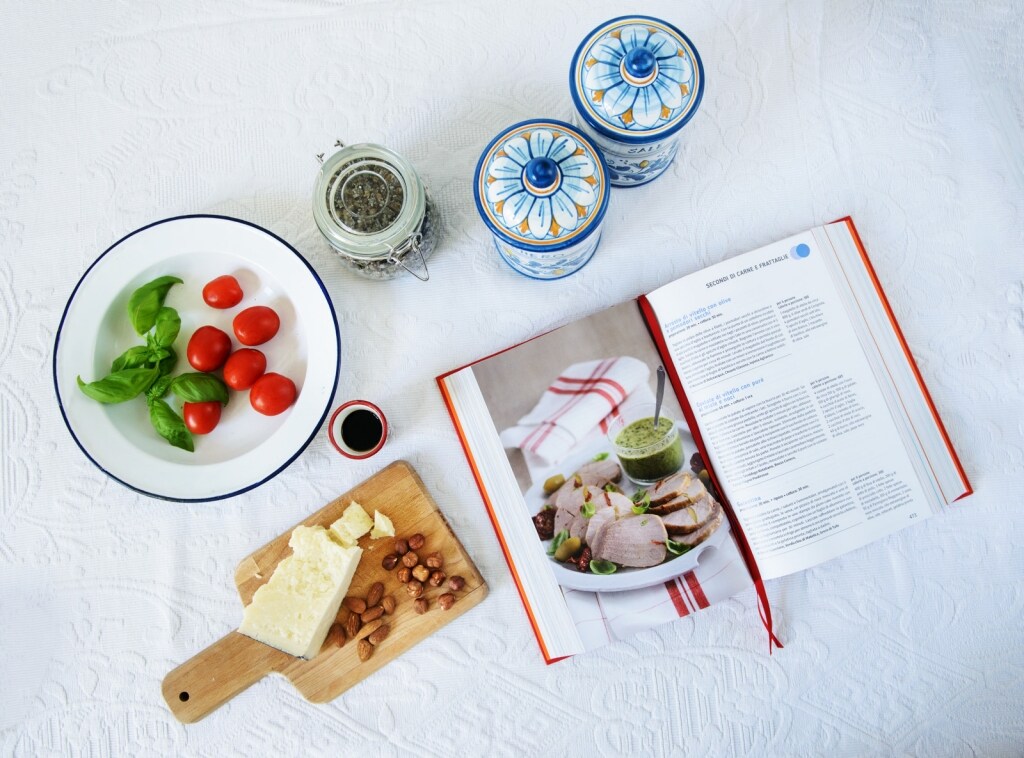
[906, 115]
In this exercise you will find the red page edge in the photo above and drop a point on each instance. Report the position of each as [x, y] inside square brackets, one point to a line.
[848, 220]
[745, 551]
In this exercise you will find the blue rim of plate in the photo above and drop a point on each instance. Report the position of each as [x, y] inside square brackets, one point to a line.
[286, 464]
[578, 134]
[640, 138]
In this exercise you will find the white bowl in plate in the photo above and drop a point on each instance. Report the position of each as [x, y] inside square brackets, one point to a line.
[247, 448]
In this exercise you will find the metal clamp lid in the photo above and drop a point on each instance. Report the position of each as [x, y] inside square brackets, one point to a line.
[411, 245]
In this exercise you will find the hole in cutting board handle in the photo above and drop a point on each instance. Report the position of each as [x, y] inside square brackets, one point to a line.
[183, 697]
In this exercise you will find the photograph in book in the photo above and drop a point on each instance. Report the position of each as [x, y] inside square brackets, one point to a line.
[628, 521]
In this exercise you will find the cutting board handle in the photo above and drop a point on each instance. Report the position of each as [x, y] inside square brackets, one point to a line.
[206, 681]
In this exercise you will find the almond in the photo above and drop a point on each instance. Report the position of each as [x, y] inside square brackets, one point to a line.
[355, 604]
[379, 634]
[372, 614]
[365, 650]
[374, 595]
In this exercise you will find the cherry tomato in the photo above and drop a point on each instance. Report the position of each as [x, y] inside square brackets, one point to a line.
[243, 368]
[222, 292]
[201, 418]
[208, 348]
[272, 394]
[256, 325]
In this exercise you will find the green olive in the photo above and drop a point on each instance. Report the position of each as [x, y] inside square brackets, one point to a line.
[568, 549]
[704, 478]
[552, 483]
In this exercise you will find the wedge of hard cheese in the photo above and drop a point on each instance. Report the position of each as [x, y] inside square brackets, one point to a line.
[295, 609]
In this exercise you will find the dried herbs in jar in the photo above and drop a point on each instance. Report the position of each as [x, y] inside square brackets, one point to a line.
[372, 208]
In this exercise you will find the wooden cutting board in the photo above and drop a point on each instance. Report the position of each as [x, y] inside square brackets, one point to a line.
[207, 681]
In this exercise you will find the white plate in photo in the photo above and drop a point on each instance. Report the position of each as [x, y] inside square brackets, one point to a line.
[246, 448]
[624, 578]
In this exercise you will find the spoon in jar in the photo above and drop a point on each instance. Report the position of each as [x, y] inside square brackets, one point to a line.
[660, 396]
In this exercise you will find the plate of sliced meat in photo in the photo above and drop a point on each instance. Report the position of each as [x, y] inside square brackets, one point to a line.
[603, 533]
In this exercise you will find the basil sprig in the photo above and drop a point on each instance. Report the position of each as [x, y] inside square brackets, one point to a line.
[587, 510]
[199, 388]
[159, 389]
[133, 357]
[166, 327]
[147, 368]
[146, 302]
[677, 548]
[556, 543]
[120, 386]
[601, 457]
[641, 502]
[169, 425]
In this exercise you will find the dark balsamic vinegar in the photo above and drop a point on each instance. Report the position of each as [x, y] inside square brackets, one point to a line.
[361, 430]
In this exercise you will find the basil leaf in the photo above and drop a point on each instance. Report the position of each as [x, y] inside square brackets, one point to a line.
[677, 548]
[601, 456]
[159, 389]
[640, 509]
[556, 543]
[168, 324]
[133, 357]
[119, 386]
[168, 361]
[146, 301]
[587, 509]
[603, 567]
[611, 488]
[641, 501]
[199, 388]
[169, 425]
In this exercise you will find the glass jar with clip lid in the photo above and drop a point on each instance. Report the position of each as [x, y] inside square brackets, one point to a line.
[372, 208]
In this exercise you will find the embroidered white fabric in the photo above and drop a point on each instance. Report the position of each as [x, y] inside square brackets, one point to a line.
[906, 115]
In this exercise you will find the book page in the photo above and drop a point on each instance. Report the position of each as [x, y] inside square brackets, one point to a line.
[594, 559]
[795, 425]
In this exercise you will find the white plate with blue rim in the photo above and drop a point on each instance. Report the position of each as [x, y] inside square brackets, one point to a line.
[624, 578]
[246, 448]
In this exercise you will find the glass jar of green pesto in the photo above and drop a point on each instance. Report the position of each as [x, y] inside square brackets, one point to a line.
[648, 453]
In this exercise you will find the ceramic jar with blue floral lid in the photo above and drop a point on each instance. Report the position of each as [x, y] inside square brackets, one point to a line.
[541, 187]
[635, 82]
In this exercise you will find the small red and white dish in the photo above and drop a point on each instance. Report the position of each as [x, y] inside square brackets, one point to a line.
[358, 429]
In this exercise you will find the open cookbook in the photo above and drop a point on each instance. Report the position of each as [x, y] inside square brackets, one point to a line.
[796, 428]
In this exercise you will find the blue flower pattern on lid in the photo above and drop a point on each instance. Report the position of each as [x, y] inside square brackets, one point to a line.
[637, 77]
[541, 184]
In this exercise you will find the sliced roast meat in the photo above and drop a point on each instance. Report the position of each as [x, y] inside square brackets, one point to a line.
[690, 517]
[683, 484]
[568, 486]
[569, 504]
[593, 474]
[563, 519]
[600, 473]
[635, 541]
[573, 501]
[697, 537]
[609, 506]
[672, 505]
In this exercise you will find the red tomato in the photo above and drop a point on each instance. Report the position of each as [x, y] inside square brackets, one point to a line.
[256, 325]
[243, 368]
[201, 418]
[272, 394]
[223, 292]
[208, 348]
